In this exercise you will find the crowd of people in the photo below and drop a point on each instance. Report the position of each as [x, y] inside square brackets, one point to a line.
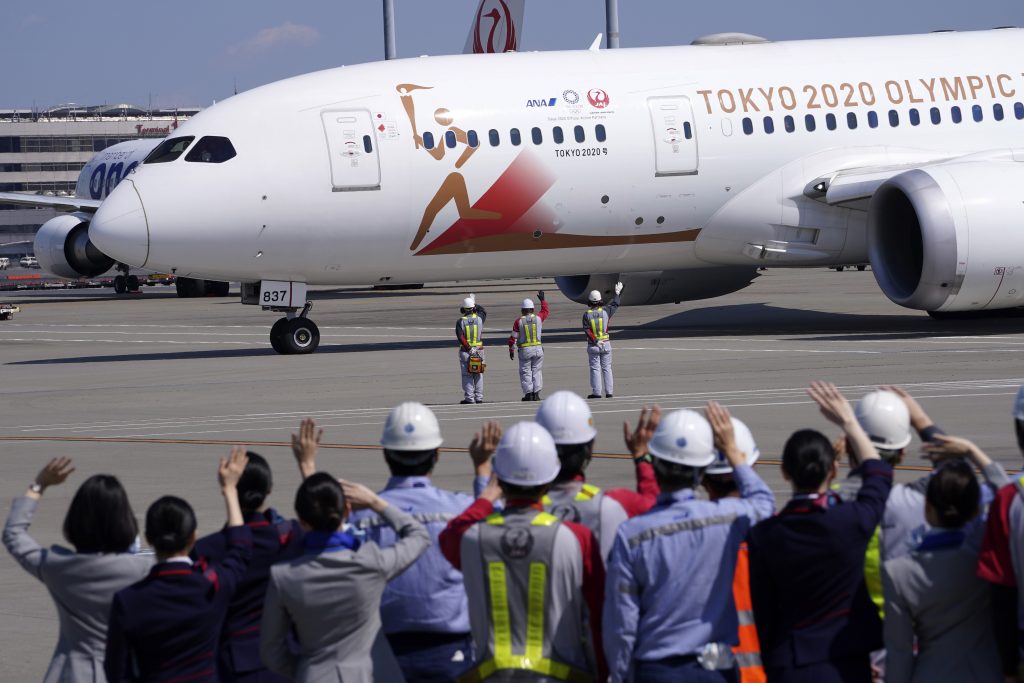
[694, 574]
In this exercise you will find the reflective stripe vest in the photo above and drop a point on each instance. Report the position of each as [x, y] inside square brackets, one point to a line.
[598, 321]
[517, 550]
[472, 329]
[583, 507]
[873, 571]
[748, 652]
[529, 331]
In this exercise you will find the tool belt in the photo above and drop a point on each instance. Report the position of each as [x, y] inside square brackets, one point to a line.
[475, 365]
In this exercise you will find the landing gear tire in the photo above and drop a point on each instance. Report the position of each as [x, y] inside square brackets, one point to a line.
[189, 288]
[277, 333]
[839, 269]
[215, 288]
[120, 285]
[862, 268]
[132, 281]
[297, 336]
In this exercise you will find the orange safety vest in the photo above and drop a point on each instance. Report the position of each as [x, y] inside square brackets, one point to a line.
[748, 652]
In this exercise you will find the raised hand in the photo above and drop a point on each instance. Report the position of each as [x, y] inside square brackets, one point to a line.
[55, 472]
[360, 497]
[724, 433]
[944, 447]
[483, 446]
[305, 445]
[229, 472]
[540, 295]
[833, 405]
[918, 418]
[492, 492]
[636, 441]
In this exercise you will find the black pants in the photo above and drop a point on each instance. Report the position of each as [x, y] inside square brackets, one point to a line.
[432, 657]
[680, 670]
[852, 670]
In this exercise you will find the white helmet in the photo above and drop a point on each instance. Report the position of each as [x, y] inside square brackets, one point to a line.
[744, 441]
[527, 303]
[567, 418]
[684, 437]
[594, 297]
[468, 302]
[1018, 405]
[526, 456]
[411, 427]
[886, 419]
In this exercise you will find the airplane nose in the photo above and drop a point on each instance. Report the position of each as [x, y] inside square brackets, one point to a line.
[119, 229]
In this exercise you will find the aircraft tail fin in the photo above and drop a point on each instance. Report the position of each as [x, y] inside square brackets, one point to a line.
[497, 27]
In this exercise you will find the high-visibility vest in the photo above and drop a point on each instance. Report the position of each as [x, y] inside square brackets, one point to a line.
[517, 551]
[873, 572]
[529, 331]
[582, 507]
[472, 327]
[748, 652]
[598, 323]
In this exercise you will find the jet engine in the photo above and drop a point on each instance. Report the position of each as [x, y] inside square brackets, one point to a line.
[660, 286]
[63, 248]
[950, 237]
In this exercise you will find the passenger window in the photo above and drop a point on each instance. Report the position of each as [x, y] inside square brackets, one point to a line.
[537, 137]
[997, 112]
[1018, 110]
[915, 117]
[578, 132]
[556, 135]
[851, 120]
[471, 136]
[830, 121]
[748, 126]
[936, 116]
[687, 130]
[168, 150]
[494, 137]
[599, 132]
[213, 149]
[872, 119]
[954, 113]
[894, 118]
[789, 123]
[809, 123]
[449, 139]
[977, 113]
[428, 140]
[769, 125]
[514, 137]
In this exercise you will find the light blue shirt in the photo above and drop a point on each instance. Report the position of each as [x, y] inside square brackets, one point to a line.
[429, 595]
[670, 574]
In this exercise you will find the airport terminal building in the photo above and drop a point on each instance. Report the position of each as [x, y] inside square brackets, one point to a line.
[43, 152]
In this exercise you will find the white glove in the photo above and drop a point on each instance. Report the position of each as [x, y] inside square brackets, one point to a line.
[618, 288]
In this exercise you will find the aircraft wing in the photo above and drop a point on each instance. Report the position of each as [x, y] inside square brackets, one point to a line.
[59, 203]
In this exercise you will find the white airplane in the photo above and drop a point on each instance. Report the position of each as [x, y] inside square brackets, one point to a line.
[680, 169]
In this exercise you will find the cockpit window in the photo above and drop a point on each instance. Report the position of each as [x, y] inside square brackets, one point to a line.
[211, 149]
[169, 150]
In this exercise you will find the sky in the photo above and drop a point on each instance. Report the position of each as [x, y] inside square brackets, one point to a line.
[193, 53]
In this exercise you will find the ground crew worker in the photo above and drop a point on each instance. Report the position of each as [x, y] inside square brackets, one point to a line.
[469, 330]
[526, 333]
[568, 419]
[669, 608]
[534, 582]
[1001, 561]
[599, 345]
[720, 482]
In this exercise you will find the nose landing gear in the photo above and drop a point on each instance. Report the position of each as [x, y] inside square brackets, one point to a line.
[295, 333]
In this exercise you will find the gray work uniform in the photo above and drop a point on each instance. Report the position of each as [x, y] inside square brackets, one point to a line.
[599, 349]
[531, 353]
[471, 328]
[586, 504]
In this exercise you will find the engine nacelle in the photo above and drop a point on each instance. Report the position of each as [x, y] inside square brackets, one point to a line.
[659, 287]
[63, 248]
[950, 237]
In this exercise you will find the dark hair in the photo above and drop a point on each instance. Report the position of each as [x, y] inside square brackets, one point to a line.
[170, 525]
[1018, 426]
[672, 476]
[100, 518]
[954, 493]
[807, 459]
[255, 483]
[527, 492]
[410, 463]
[574, 458]
[320, 502]
[720, 485]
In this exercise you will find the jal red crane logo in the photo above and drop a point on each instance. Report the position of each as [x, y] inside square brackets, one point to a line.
[495, 28]
[598, 98]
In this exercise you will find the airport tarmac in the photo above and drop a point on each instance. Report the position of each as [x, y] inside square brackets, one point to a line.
[154, 388]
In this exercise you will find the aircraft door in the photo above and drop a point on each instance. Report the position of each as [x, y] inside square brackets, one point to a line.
[355, 164]
[675, 136]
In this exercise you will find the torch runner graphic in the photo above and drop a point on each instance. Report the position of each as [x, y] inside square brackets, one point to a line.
[454, 186]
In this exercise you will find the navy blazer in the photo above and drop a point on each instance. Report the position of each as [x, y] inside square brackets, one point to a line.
[274, 539]
[167, 626]
[807, 577]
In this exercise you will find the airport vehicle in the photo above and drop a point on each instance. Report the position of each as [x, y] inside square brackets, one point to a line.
[7, 311]
[5, 263]
[29, 262]
[680, 170]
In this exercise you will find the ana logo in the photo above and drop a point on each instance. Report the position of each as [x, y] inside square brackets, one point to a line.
[571, 97]
[410, 428]
[547, 102]
[598, 98]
